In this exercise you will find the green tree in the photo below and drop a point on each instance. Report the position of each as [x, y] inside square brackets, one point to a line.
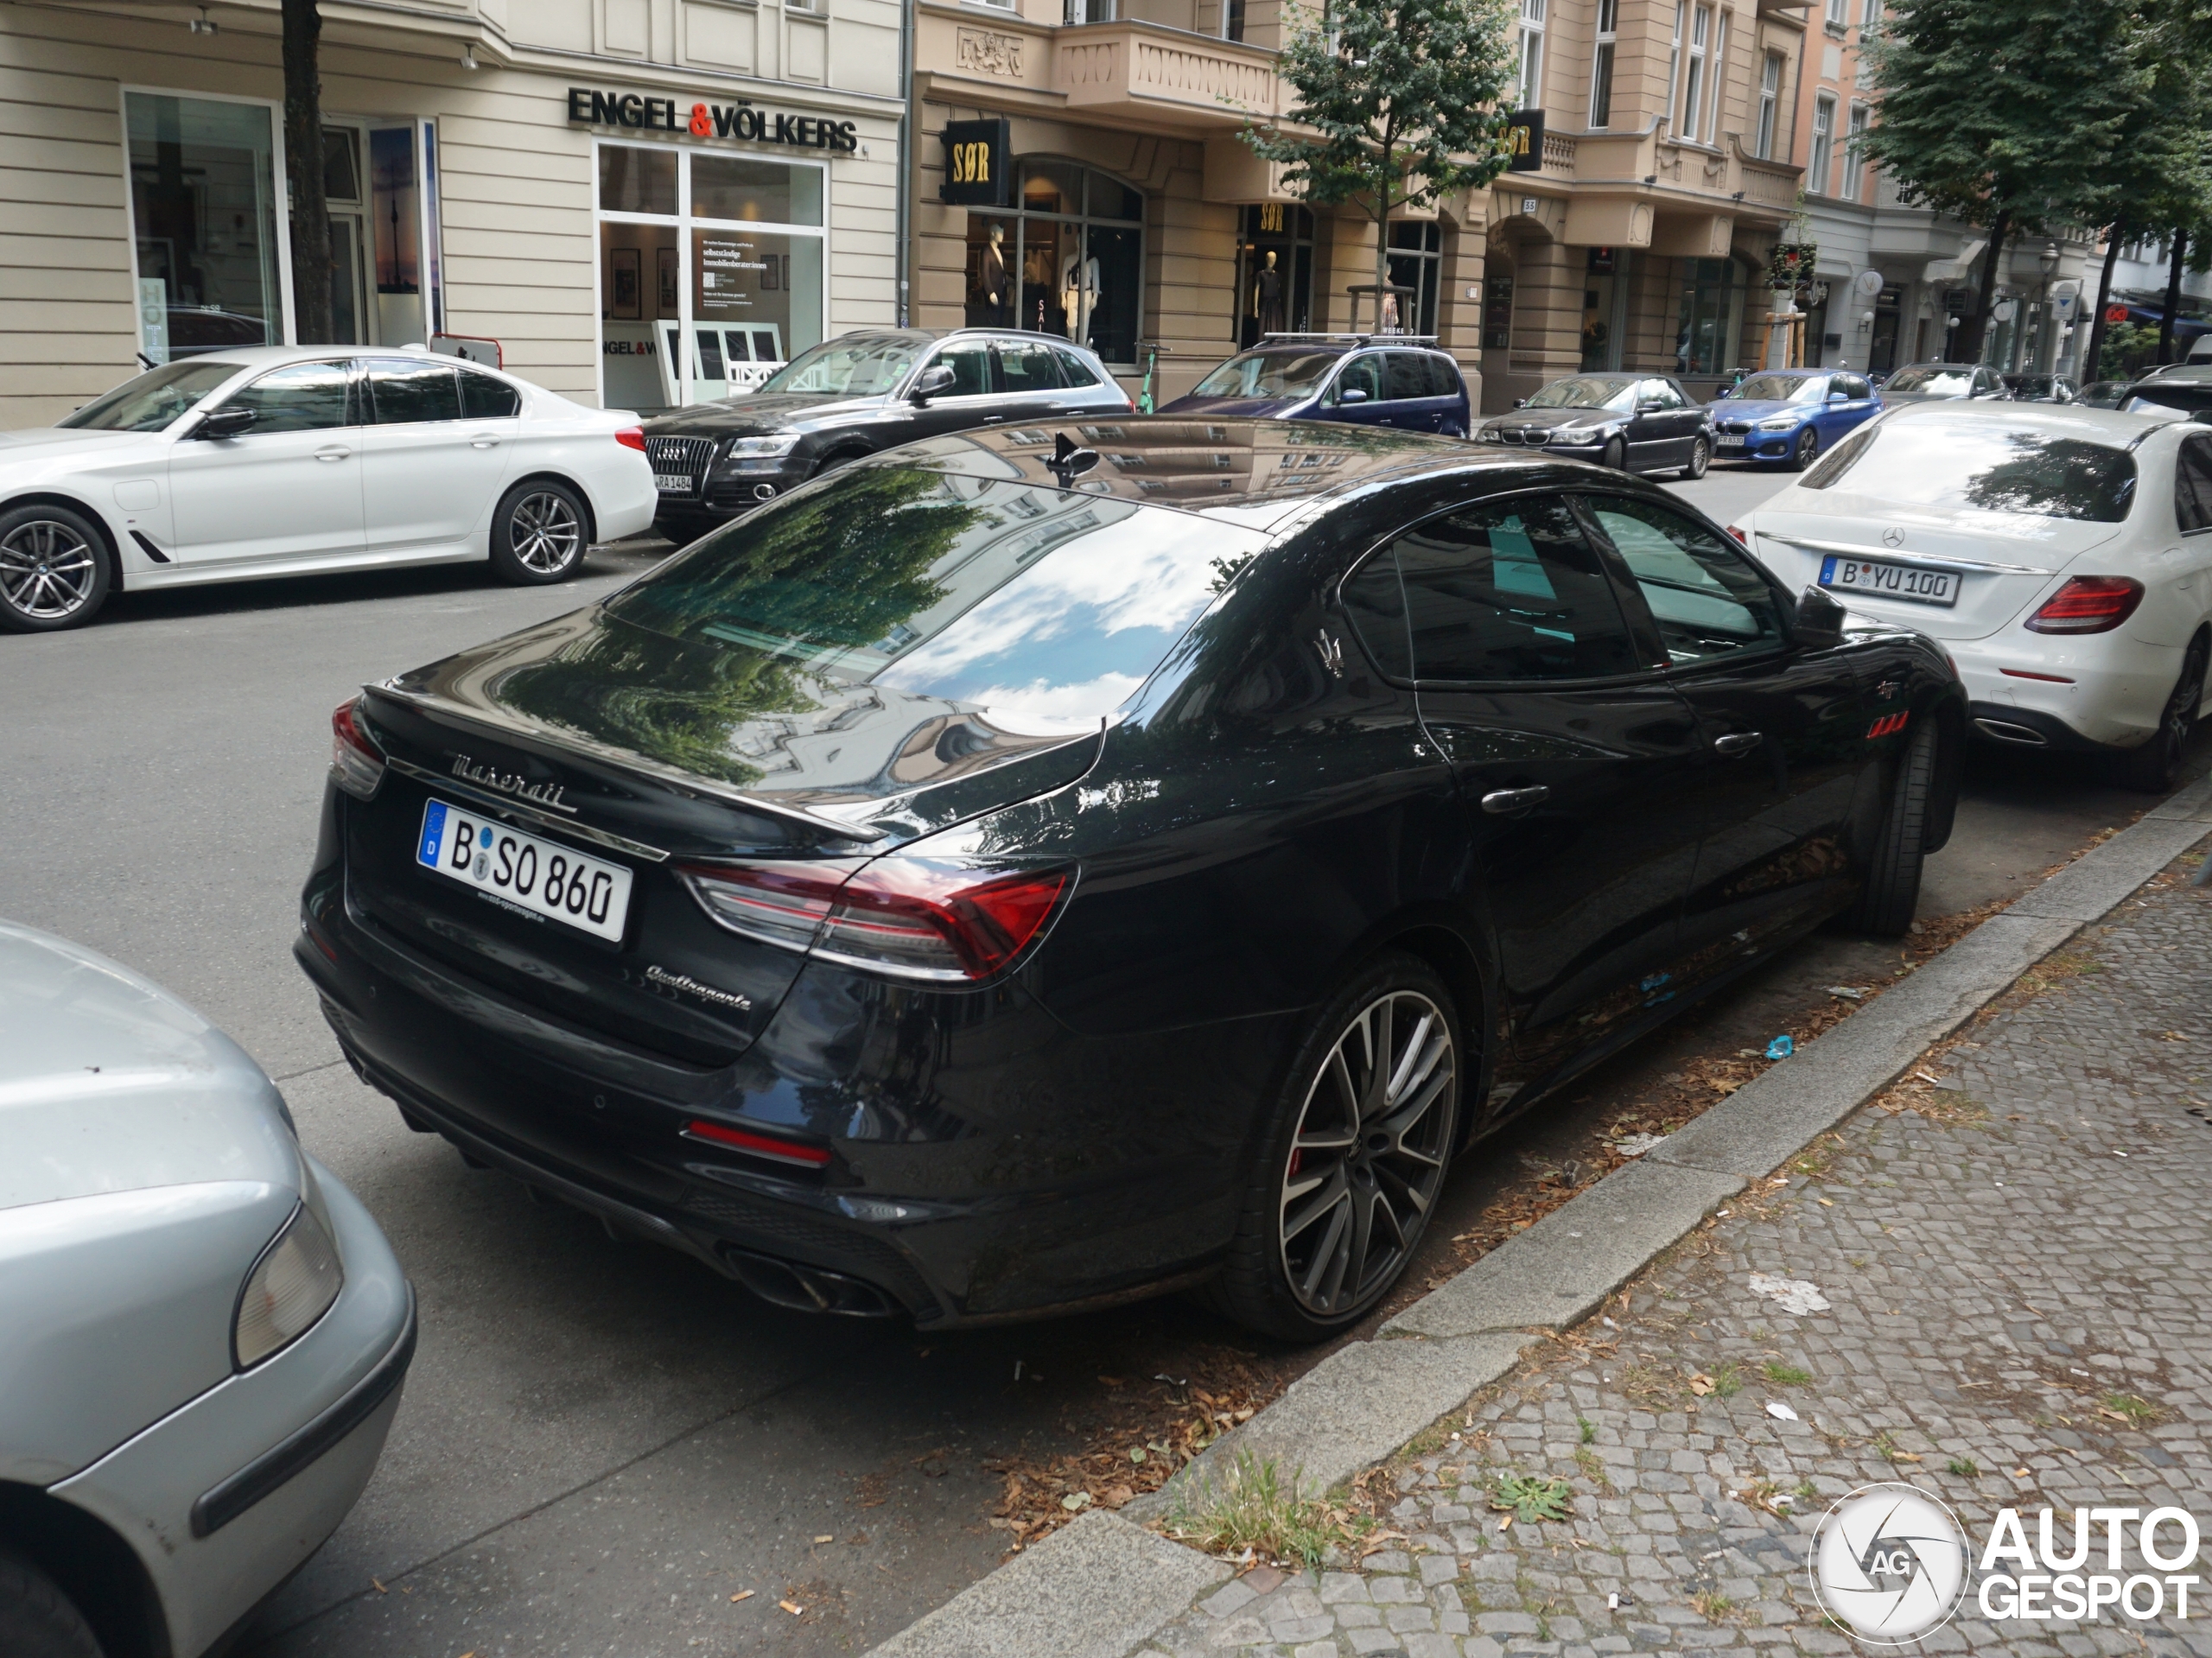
[2002, 112]
[1401, 101]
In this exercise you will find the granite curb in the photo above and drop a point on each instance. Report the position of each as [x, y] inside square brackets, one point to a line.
[1096, 1581]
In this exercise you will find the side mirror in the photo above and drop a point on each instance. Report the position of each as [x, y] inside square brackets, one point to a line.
[1820, 620]
[1838, 397]
[938, 376]
[1520, 403]
[226, 423]
[1650, 406]
[1351, 394]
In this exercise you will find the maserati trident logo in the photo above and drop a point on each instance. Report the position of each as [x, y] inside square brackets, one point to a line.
[510, 783]
[1892, 538]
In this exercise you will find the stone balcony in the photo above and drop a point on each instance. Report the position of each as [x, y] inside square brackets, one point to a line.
[1651, 190]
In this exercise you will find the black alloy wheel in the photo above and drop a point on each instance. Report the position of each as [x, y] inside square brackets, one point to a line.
[1615, 454]
[1806, 447]
[54, 571]
[1354, 1158]
[2155, 766]
[537, 534]
[1700, 458]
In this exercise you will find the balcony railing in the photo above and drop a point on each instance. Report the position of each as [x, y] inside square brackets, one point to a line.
[1143, 66]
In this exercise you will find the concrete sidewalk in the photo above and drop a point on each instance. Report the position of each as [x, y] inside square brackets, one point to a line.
[1949, 1221]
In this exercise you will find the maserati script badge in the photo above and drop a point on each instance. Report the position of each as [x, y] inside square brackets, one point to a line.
[661, 979]
[510, 783]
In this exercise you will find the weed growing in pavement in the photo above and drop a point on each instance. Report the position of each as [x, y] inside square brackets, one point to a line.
[1649, 1385]
[1964, 1467]
[1806, 1491]
[2130, 1408]
[1593, 1470]
[1589, 1429]
[1529, 1498]
[1713, 1606]
[1255, 1507]
[1786, 1375]
[1727, 1381]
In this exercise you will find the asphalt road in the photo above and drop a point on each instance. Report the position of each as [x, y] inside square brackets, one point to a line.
[601, 1443]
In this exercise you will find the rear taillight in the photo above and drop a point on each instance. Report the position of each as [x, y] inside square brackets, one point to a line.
[632, 437]
[1740, 536]
[910, 917]
[767, 1145]
[2087, 604]
[356, 764]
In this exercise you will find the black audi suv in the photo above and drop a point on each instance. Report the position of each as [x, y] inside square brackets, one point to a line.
[851, 397]
[1037, 867]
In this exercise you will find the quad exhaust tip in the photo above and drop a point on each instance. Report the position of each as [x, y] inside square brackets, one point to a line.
[2005, 731]
[808, 1289]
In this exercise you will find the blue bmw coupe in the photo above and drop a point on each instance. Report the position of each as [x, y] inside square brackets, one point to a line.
[1788, 416]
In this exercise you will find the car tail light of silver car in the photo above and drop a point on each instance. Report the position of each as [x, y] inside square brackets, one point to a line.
[356, 764]
[914, 917]
[292, 1285]
[2087, 604]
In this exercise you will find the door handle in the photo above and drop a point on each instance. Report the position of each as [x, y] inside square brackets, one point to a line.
[1504, 802]
[993, 420]
[334, 452]
[1737, 742]
[484, 440]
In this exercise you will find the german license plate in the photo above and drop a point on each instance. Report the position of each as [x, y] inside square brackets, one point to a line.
[1887, 581]
[673, 483]
[1726, 441]
[538, 877]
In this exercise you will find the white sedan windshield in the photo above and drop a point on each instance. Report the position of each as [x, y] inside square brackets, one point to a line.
[153, 400]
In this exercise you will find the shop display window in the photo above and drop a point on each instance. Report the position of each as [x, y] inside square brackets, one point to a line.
[1712, 310]
[1275, 271]
[204, 193]
[1416, 259]
[1069, 261]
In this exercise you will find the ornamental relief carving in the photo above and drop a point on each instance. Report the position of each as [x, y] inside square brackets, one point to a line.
[986, 53]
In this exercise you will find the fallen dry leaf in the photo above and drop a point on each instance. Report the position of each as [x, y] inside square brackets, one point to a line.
[1701, 1384]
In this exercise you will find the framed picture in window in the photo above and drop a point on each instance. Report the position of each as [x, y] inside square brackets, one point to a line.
[625, 274]
[666, 268]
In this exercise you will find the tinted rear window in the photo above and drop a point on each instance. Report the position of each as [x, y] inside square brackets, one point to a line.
[2025, 472]
[1024, 601]
[2188, 396]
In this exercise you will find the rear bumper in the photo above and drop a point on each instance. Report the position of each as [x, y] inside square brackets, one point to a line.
[984, 1166]
[2116, 689]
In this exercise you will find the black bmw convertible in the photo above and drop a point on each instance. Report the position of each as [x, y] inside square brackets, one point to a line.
[1037, 867]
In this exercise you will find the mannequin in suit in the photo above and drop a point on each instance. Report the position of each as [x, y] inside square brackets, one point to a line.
[994, 273]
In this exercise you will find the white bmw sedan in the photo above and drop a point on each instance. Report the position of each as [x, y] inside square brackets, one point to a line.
[2061, 555]
[288, 460]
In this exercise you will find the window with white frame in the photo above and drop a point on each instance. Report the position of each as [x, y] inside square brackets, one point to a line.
[712, 270]
[1693, 79]
[1855, 157]
[1601, 68]
[1674, 62]
[1719, 60]
[206, 175]
[1532, 54]
[1770, 105]
[1817, 179]
[1839, 13]
[1872, 15]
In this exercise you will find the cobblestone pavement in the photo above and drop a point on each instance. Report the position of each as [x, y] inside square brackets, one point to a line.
[2014, 1280]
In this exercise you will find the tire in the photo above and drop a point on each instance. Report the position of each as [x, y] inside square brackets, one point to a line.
[1334, 1160]
[539, 534]
[1805, 451]
[1615, 454]
[2154, 768]
[53, 570]
[1700, 458]
[1892, 890]
[36, 1619]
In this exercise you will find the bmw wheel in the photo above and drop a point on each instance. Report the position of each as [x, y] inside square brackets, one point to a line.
[1801, 453]
[1700, 458]
[2155, 766]
[54, 570]
[1353, 1156]
[537, 534]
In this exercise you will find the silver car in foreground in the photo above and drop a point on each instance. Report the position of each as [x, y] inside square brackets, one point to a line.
[202, 1333]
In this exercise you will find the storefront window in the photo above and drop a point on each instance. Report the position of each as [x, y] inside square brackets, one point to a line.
[1712, 307]
[1275, 271]
[1416, 256]
[1069, 262]
[711, 272]
[204, 224]
[1604, 289]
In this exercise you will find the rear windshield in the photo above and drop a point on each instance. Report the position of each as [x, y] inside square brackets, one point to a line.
[1286, 373]
[2031, 473]
[1934, 382]
[2152, 396]
[1781, 388]
[1027, 601]
[154, 399]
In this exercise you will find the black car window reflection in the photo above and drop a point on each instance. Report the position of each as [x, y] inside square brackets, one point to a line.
[970, 363]
[1703, 593]
[405, 393]
[2027, 473]
[1377, 604]
[1363, 373]
[934, 585]
[1510, 592]
[298, 398]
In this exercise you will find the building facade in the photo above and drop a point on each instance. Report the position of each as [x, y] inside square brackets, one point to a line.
[641, 203]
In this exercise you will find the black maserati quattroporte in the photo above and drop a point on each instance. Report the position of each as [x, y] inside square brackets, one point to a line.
[1030, 868]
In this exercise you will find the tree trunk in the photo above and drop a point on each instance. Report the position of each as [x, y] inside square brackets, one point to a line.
[310, 216]
[2091, 367]
[2173, 294]
[1975, 328]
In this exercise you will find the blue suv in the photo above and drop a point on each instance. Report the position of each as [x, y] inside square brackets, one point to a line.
[1398, 381]
[1790, 415]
